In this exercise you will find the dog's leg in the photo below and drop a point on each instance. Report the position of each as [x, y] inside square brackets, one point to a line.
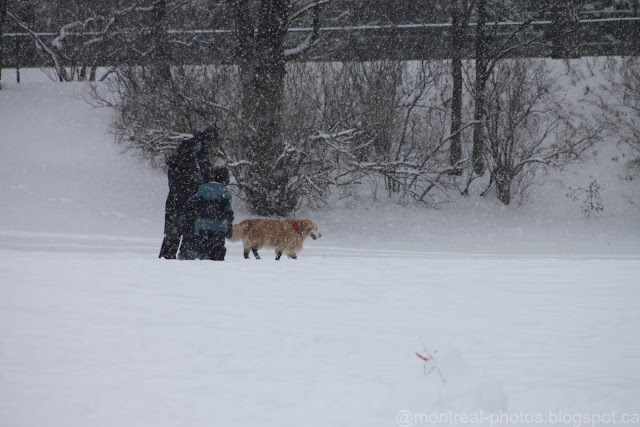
[278, 255]
[255, 253]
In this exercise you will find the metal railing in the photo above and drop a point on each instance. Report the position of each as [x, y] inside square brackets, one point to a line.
[23, 61]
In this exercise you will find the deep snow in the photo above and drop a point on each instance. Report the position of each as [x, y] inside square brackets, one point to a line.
[532, 311]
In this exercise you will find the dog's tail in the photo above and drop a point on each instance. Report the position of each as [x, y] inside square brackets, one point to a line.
[238, 231]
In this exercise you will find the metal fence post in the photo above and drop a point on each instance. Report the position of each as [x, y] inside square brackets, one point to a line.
[17, 59]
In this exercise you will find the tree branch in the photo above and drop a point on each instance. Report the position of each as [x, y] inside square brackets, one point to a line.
[294, 53]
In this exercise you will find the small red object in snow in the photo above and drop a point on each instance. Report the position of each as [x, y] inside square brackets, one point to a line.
[426, 359]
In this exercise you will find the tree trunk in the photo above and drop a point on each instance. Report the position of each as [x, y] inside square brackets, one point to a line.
[565, 29]
[260, 53]
[162, 58]
[262, 73]
[480, 88]
[245, 55]
[457, 44]
[270, 69]
[503, 179]
[635, 36]
[3, 19]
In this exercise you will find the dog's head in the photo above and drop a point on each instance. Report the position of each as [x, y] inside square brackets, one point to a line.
[308, 228]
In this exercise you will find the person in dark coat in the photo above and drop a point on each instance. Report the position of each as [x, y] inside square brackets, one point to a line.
[188, 167]
[210, 213]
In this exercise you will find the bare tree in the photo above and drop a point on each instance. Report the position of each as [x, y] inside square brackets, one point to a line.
[385, 123]
[84, 30]
[153, 115]
[264, 48]
[381, 123]
[621, 106]
[488, 53]
[157, 106]
[527, 125]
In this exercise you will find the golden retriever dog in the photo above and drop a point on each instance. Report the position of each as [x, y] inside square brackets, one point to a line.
[285, 236]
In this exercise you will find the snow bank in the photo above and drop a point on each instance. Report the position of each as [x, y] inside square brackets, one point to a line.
[62, 173]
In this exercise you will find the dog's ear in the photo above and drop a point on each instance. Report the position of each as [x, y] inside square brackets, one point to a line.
[305, 225]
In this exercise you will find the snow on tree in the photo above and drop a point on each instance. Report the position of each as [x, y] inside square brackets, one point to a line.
[263, 50]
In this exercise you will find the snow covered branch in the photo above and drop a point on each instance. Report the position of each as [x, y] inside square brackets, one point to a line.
[309, 41]
[55, 58]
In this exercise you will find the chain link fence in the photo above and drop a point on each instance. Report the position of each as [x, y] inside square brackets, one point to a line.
[28, 75]
[17, 51]
[22, 61]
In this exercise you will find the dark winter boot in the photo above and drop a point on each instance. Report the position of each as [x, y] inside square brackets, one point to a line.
[169, 247]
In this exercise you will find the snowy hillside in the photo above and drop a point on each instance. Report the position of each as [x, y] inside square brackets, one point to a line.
[531, 313]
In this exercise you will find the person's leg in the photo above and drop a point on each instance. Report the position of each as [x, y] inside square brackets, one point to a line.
[171, 240]
[189, 247]
[169, 247]
[217, 250]
[218, 253]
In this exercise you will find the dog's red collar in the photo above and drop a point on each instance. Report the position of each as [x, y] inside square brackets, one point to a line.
[296, 227]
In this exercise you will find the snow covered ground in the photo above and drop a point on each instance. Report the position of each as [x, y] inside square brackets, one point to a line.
[531, 313]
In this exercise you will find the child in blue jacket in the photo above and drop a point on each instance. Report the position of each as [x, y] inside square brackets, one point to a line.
[210, 215]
